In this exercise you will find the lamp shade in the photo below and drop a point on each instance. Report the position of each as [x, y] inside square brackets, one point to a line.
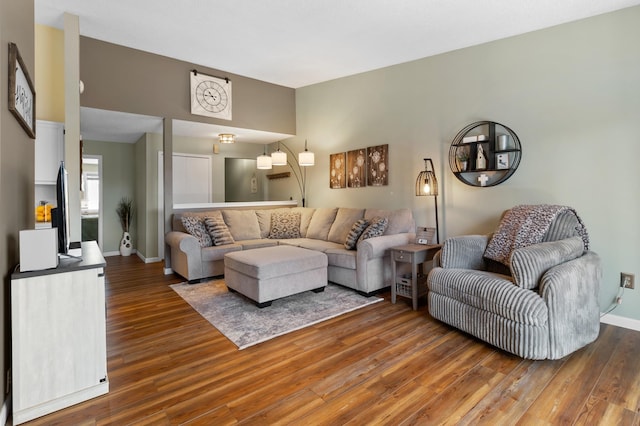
[279, 158]
[263, 162]
[426, 183]
[306, 158]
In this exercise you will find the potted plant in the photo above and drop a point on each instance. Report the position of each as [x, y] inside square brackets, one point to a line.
[125, 210]
[462, 154]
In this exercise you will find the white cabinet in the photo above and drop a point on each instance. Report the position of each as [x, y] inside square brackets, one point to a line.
[59, 335]
[49, 151]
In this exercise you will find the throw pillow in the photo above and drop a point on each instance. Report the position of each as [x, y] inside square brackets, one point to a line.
[354, 234]
[285, 225]
[218, 231]
[375, 229]
[195, 226]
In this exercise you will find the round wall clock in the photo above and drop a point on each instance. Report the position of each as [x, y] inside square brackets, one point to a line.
[210, 96]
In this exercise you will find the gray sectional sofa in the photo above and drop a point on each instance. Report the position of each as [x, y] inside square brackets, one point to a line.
[366, 269]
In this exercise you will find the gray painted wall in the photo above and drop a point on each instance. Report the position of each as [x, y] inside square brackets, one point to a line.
[571, 93]
[118, 78]
[16, 165]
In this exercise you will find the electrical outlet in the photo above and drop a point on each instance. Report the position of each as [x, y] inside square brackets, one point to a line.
[627, 280]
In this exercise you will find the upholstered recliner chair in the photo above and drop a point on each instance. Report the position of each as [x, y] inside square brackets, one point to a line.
[531, 288]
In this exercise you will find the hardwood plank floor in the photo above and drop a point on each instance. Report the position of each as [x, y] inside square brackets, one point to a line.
[383, 364]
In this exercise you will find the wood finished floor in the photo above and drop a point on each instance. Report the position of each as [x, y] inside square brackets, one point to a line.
[383, 364]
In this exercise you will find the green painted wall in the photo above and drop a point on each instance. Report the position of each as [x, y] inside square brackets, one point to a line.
[571, 93]
[119, 180]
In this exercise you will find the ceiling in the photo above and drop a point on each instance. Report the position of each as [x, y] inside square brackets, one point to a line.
[112, 126]
[296, 43]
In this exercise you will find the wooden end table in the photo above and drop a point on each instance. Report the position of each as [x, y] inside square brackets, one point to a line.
[415, 285]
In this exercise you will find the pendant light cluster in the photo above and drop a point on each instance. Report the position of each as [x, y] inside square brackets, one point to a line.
[279, 158]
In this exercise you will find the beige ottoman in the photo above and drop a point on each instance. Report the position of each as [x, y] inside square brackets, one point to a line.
[269, 273]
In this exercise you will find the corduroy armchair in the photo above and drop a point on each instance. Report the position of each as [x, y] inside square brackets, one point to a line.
[542, 305]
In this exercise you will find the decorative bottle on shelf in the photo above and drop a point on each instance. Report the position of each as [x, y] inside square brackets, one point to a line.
[481, 160]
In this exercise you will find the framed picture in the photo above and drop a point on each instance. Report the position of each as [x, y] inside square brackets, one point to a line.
[22, 95]
[378, 165]
[502, 161]
[425, 235]
[337, 167]
[357, 168]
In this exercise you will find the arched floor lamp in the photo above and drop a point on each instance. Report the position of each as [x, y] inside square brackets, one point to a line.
[427, 184]
[299, 166]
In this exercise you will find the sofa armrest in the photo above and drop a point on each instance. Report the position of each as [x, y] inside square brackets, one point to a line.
[570, 291]
[186, 255]
[378, 246]
[464, 252]
[528, 264]
[184, 242]
[373, 265]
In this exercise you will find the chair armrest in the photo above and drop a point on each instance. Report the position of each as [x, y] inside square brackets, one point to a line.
[528, 264]
[570, 291]
[464, 252]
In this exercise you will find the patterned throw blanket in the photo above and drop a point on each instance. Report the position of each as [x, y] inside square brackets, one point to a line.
[525, 225]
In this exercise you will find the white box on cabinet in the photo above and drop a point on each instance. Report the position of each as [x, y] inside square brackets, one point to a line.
[38, 249]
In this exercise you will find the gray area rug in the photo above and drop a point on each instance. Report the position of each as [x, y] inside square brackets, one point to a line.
[246, 325]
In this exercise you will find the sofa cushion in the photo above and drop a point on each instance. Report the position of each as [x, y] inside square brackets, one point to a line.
[259, 243]
[341, 257]
[285, 225]
[218, 230]
[306, 213]
[321, 222]
[351, 242]
[264, 221]
[214, 253]
[342, 224]
[195, 226]
[243, 224]
[311, 244]
[400, 221]
[376, 228]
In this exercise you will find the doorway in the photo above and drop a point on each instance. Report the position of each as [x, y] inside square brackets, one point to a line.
[91, 199]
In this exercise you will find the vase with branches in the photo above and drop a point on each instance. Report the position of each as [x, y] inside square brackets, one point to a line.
[125, 211]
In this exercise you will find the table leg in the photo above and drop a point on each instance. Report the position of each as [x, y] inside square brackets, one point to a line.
[414, 284]
[393, 281]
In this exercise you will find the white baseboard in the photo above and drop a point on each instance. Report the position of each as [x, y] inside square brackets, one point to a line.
[148, 259]
[4, 412]
[619, 321]
[117, 253]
